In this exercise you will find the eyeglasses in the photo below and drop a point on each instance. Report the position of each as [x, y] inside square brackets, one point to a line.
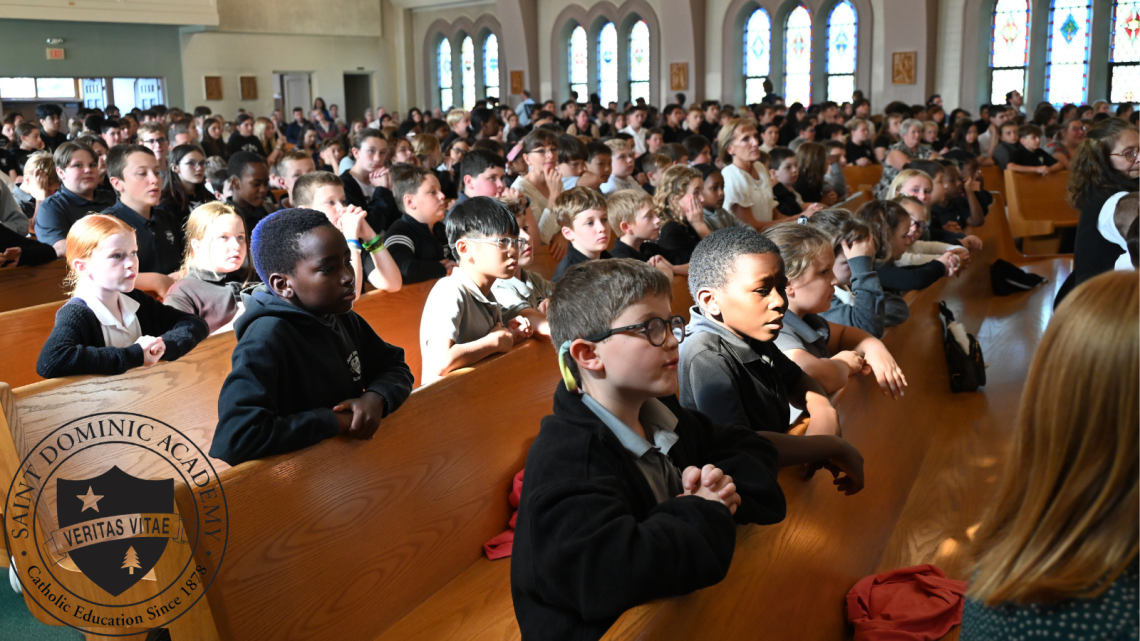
[194, 164]
[656, 329]
[919, 225]
[544, 151]
[1128, 154]
[153, 141]
[504, 243]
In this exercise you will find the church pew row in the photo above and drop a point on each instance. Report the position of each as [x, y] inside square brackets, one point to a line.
[868, 175]
[1037, 207]
[994, 180]
[27, 286]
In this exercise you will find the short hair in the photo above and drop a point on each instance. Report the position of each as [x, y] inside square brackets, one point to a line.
[709, 103]
[570, 149]
[778, 155]
[539, 138]
[331, 142]
[406, 180]
[479, 216]
[276, 240]
[799, 246]
[675, 151]
[487, 144]
[477, 161]
[47, 109]
[655, 163]
[152, 127]
[590, 295]
[654, 131]
[178, 128]
[1009, 124]
[908, 124]
[455, 116]
[43, 163]
[118, 155]
[616, 145]
[714, 260]
[93, 122]
[574, 201]
[241, 160]
[695, 144]
[305, 189]
[516, 205]
[278, 168]
[1028, 130]
[202, 111]
[110, 124]
[596, 149]
[365, 134]
[65, 152]
[622, 206]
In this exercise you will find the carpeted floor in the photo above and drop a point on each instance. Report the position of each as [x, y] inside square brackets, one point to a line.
[18, 624]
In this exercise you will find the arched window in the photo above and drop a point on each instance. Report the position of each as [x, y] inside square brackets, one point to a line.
[797, 57]
[639, 62]
[579, 68]
[842, 29]
[446, 100]
[607, 64]
[1010, 49]
[1123, 67]
[1067, 68]
[467, 59]
[757, 55]
[491, 66]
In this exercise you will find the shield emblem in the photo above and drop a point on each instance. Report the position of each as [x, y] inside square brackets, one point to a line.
[105, 503]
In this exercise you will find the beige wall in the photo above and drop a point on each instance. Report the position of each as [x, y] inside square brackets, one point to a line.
[339, 18]
[182, 12]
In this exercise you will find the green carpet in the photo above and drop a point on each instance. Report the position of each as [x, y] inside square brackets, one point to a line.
[19, 625]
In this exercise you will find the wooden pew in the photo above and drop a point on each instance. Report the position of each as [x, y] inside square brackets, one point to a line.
[869, 175]
[997, 223]
[1037, 206]
[855, 201]
[994, 180]
[23, 333]
[27, 286]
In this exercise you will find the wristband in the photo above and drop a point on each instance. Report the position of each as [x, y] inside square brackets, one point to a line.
[371, 246]
[376, 249]
[355, 244]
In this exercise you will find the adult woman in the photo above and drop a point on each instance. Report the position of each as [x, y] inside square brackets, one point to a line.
[582, 125]
[905, 150]
[212, 142]
[1065, 149]
[184, 185]
[541, 184]
[1056, 553]
[319, 105]
[747, 184]
[271, 139]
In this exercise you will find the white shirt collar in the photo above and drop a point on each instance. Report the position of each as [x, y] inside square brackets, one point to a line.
[1106, 225]
[127, 305]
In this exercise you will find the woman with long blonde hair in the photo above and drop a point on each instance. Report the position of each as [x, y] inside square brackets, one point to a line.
[680, 203]
[1057, 551]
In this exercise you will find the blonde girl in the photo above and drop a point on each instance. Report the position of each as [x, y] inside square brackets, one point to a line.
[927, 188]
[271, 139]
[680, 203]
[108, 327]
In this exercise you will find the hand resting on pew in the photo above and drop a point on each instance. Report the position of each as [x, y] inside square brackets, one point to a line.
[360, 417]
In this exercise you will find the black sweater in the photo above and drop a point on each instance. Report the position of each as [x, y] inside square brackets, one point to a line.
[32, 252]
[381, 207]
[677, 242]
[417, 249]
[1092, 253]
[290, 368]
[76, 345]
[591, 541]
[910, 277]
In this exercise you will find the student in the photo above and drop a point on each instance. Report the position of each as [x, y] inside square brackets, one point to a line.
[152, 135]
[858, 149]
[49, 117]
[1056, 550]
[331, 153]
[184, 186]
[367, 184]
[462, 323]
[635, 116]
[26, 141]
[77, 169]
[100, 149]
[784, 173]
[653, 165]
[621, 475]
[243, 139]
[809, 339]
[599, 161]
[1006, 145]
[1028, 157]
[895, 232]
[459, 123]
[415, 240]
[249, 176]
[710, 125]
[526, 292]
[371, 260]
[680, 204]
[306, 367]
[805, 132]
[811, 171]
[572, 164]
[212, 139]
[916, 182]
[289, 167]
[581, 212]
[888, 136]
[964, 203]
[481, 173]
[108, 327]
[632, 216]
[698, 150]
[621, 172]
[542, 184]
[213, 275]
[730, 367]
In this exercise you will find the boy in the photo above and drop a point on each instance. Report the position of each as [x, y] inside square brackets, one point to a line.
[249, 177]
[1007, 144]
[459, 123]
[572, 159]
[78, 170]
[49, 116]
[242, 139]
[784, 175]
[305, 367]
[730, 366]
[599, 161]
[1028, 157]
[414, 239]
[630, 497]
[292, 165]
[462, 323]
[581, 213]
[710, 123]
[635, 117]
[367, 182]
[152, 135]
[834, 180]
[631, 214]
[621, 169]
[654, 165]
[805, 132]
[331, 153]
[526, 292]
[134, 175]
[481, 173]
[964, 203]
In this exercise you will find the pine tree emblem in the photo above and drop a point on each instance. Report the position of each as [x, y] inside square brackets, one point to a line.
[131, 560]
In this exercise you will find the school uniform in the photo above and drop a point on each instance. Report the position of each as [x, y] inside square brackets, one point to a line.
[855, 151]
[417, 249]
[863, 305]
[63, 209]
[159, 237]
[181, 210]
[32, 252]
[455, 311]
[12, 213]
[673, 134]
[526, 290]
[18, 158]
[677, 242]
[250, 216]
[1036, 158]
[639, 147]
[901, 278]
[573, 257]
[52, 142]
[735, 380]
[810, 334]
[807, 192]
[957, 210]
[648, 250]
[788, 201]
[379, 202]
[88, 339]
[617, 184]
[26, 202]
[1003, 153]
[214, 297]
[290, 368]
[708, 129]
[596, 490]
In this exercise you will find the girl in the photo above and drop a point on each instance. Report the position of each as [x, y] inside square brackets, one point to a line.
[271, 139]
[716, 217]
[212, 274]
[212, 144]
[680, 205]
[894, 234]
[966, 139]
[107, 327]
[921, 251]
[858, 148]
[809, 339]
[309, 143]
[811, 162]
[858, 299]
[403, 153]
[184, 185]
[26, 142]
[747, 182]
[1057, 549]
[527, 292]
[931, 135]
[541, 184]
[916, 181]
[98, 146]
[698, 149]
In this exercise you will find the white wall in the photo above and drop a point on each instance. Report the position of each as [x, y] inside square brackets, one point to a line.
[340, 18]
[181, 12]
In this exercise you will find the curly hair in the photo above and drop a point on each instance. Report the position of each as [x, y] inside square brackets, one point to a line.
[671, 186]
[1092, 170]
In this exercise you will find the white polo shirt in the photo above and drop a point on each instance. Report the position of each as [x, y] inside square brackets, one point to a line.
[115, 334]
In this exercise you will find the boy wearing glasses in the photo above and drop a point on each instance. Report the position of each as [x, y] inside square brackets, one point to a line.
[630, 497]
[462, 323]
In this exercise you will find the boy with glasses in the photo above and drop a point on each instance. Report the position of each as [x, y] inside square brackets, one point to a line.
[152, 135]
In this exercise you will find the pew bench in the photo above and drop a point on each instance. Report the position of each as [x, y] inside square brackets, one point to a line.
[27, 286]
[1037, 207]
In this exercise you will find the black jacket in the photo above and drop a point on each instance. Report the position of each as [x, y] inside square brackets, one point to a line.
[648, 250]
[591, 540]
[381, 207]
[76, 345]
[1092, 254]
[417, 249]
[32, 251]
[911, 277]
[677, 242]
[573, 257]
[290, 368]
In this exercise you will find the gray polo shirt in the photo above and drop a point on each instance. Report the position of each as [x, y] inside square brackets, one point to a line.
[455, 311]
[810, 334]
[652, 458]
[527, 289]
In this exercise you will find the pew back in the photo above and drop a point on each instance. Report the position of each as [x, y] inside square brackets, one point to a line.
[1041, 198]
[27, 286]
[869, 175]
[23, 333]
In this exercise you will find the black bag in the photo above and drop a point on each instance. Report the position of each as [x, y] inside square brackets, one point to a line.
[967, 370]
[1008, 278]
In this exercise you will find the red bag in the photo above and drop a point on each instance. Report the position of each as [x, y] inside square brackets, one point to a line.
[500, 546]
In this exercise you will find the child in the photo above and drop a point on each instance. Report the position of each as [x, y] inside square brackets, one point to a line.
[108, 327]
[921, 180]
[212, 275]
[699, 149]
[462, 323]
[481, 173]
[572, 157]
[1007, 145]
[249, 176]
[632, 215]
[1028, 157]
[524, 294]
[809, 339]
[289, 167]
[242, 139]
[811, 171]
[581, 213]
[367, 183]
[963, 204]
[618, 509]
[654, 165]
[681, 207]
[306, 367]
[371, 261]
[77, 168]
[834, 180]
[784, 173]
[599, 160]
[184, 188]
[894, 232]
[415, 239]
[331, 154]
[622, 167]
[712, 192]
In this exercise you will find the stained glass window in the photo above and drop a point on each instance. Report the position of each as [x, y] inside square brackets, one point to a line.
[639, 62]
[1010, 49]
[607, 64]
[491, 66]
[757, 55]
[797, 57]
[1124, 60]
[445, 98]
[1067, 66]
[467, 59]
[579, 68]
[842, 30]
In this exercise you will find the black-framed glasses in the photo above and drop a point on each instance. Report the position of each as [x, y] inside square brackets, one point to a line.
[656, 329]
[504, 243]
[919, 225]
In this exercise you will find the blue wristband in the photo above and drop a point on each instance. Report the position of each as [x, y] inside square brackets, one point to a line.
[352, 242]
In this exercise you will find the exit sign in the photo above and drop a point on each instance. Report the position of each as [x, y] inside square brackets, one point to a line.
[55, 53]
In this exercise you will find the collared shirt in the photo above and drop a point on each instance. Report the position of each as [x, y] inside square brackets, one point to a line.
[63, 209]
[740, 188]
[651, 454]
[455, 311]
[617, 184]
[573, 257]
[526, 290]
[159, 238]
[115, 334]
[639, 147]
[810, 334]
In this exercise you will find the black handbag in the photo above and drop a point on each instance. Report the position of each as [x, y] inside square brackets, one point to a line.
[967, 369]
